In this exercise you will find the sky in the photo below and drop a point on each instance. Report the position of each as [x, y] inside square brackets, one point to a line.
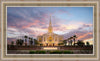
[34, 21]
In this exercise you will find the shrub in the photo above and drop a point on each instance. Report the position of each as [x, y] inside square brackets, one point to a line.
[67, 52]
[32, 52]
[41, 44]
[51, 52]
[37, 52]
[56, 52]
[40, 52]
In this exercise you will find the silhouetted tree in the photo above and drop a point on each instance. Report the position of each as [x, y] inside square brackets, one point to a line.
[21, 42]
[18, 42]
[12, 43]
[87, 43]
[80, 43]
[25, 40]
[71, 42]
[60, 44]
[74, 37]
[41, 44]
[31, 41]
[64, 42]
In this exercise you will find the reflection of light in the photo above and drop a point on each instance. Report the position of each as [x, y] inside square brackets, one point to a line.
[50, 48]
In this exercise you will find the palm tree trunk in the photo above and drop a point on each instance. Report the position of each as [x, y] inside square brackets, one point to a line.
[25, 42]
[74, 41]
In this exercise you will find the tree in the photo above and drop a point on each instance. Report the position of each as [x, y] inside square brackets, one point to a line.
[19, 42]
[36, 42]
[12, 43]
[31, 41]
[87, 43]
[25, 40]
[68, 41]
[60, 44]
[41, 44]
[74, 37]
[71, 42]
[80, 43]
[64, 42]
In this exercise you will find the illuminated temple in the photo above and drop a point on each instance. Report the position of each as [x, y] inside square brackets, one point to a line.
[50, 38]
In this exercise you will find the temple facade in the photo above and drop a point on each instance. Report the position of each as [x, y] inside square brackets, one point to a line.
[50, 38]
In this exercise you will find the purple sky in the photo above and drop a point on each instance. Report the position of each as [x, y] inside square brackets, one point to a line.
[34, 21]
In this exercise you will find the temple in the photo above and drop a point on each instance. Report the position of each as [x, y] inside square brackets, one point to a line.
[50, 38]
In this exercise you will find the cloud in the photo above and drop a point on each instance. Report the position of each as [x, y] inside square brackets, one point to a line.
[34, 21]
[85, 36]
[82, 34]
[87, 25]
[9, 40]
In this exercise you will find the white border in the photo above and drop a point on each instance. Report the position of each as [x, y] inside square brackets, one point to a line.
[41, 58]
[49, 54]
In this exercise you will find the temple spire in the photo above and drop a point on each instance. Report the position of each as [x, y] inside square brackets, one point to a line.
[50, 22]
[50, 30]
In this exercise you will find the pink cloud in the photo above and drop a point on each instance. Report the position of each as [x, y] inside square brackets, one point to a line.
[84, 35]
[36, 22]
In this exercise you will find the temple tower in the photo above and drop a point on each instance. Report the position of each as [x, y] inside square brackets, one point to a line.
[50, 29]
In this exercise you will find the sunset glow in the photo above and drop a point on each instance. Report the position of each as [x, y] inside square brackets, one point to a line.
[66, 21]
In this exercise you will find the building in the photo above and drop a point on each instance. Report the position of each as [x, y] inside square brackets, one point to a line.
[50, 38]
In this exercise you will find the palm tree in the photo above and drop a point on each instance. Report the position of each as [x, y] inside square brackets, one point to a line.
[31, 41]
[25, 40]
[71, 38]
[71, 42]
[21, 42]
[17, 42]
[68, 40]
[80, 43]
[87, 43]
[74, 37]
[64, 42]
[12, 43]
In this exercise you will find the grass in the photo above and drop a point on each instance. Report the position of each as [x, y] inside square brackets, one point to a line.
[51, 52]
[37, 52]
